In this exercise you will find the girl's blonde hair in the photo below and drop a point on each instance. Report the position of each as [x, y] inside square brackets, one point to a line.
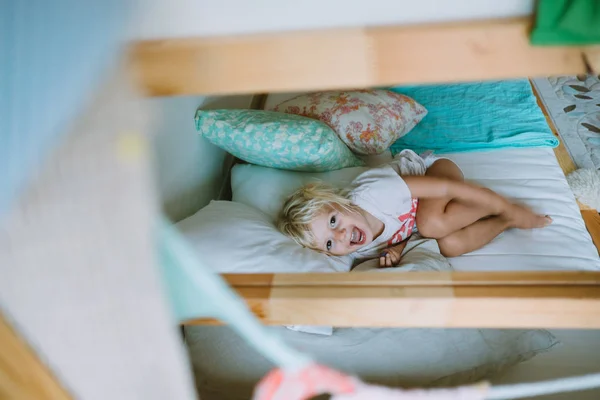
[306, 204]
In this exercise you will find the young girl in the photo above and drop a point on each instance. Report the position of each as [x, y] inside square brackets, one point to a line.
[385, 205]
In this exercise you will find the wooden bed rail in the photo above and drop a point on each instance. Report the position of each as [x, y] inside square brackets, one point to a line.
[22, 374]
[349, 58]
[423, 299]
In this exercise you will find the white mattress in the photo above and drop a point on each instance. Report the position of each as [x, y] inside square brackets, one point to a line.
[532, 177]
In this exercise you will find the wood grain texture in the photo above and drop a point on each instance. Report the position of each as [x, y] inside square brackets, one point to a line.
[592, 58]
[22, 375]
[461, 299]
[347, 58]
[429, 279]
[592, 223]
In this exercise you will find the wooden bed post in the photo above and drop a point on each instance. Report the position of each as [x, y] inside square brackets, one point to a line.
[22, 375]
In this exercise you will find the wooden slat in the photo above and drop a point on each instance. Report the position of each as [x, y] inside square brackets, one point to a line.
[459, 306]
[420, 299]
[22, 375]
[592, 223]
[348, 58]
[388, 279]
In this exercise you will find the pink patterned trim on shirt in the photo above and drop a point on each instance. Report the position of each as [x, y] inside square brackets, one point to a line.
[408, 221]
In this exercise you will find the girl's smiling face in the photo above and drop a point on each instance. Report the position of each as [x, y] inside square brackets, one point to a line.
[339, 233]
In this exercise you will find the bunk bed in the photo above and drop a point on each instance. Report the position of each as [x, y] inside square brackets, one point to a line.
[479, 50]
[310, 60]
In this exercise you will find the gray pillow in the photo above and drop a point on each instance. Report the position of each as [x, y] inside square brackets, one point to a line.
[226, 367]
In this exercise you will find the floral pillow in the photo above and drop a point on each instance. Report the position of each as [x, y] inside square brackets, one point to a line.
[276, 140]
[368, 121]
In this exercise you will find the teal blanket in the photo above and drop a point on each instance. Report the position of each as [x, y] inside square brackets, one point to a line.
[476, 116]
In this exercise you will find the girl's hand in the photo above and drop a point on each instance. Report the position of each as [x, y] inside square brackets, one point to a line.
[391, 256]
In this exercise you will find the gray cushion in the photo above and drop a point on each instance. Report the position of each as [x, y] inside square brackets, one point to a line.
[227, 368]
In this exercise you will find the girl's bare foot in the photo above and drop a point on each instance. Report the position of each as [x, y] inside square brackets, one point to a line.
[521, 217]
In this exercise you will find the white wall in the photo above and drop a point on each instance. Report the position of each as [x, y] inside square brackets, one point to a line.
[179, 18]
[189, 169]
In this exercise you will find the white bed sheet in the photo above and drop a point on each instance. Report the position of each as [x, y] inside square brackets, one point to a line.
[532, 177]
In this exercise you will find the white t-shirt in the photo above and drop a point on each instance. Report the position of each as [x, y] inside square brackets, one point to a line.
[384, 194]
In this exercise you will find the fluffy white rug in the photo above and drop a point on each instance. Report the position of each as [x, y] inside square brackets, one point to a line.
[585, 184]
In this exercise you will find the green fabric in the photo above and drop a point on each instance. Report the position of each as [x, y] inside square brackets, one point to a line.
[567, 22]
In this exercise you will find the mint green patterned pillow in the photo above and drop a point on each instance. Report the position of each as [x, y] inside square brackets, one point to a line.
[276, 140]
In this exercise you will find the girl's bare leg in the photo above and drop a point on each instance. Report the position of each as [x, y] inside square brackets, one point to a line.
[439, 217]
[461, 228]
[473, 237]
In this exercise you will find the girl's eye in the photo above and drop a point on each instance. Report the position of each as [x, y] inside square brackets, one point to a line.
[328, 245]
[332, 221]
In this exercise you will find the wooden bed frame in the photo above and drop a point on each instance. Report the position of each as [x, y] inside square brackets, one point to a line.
[350, 58]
